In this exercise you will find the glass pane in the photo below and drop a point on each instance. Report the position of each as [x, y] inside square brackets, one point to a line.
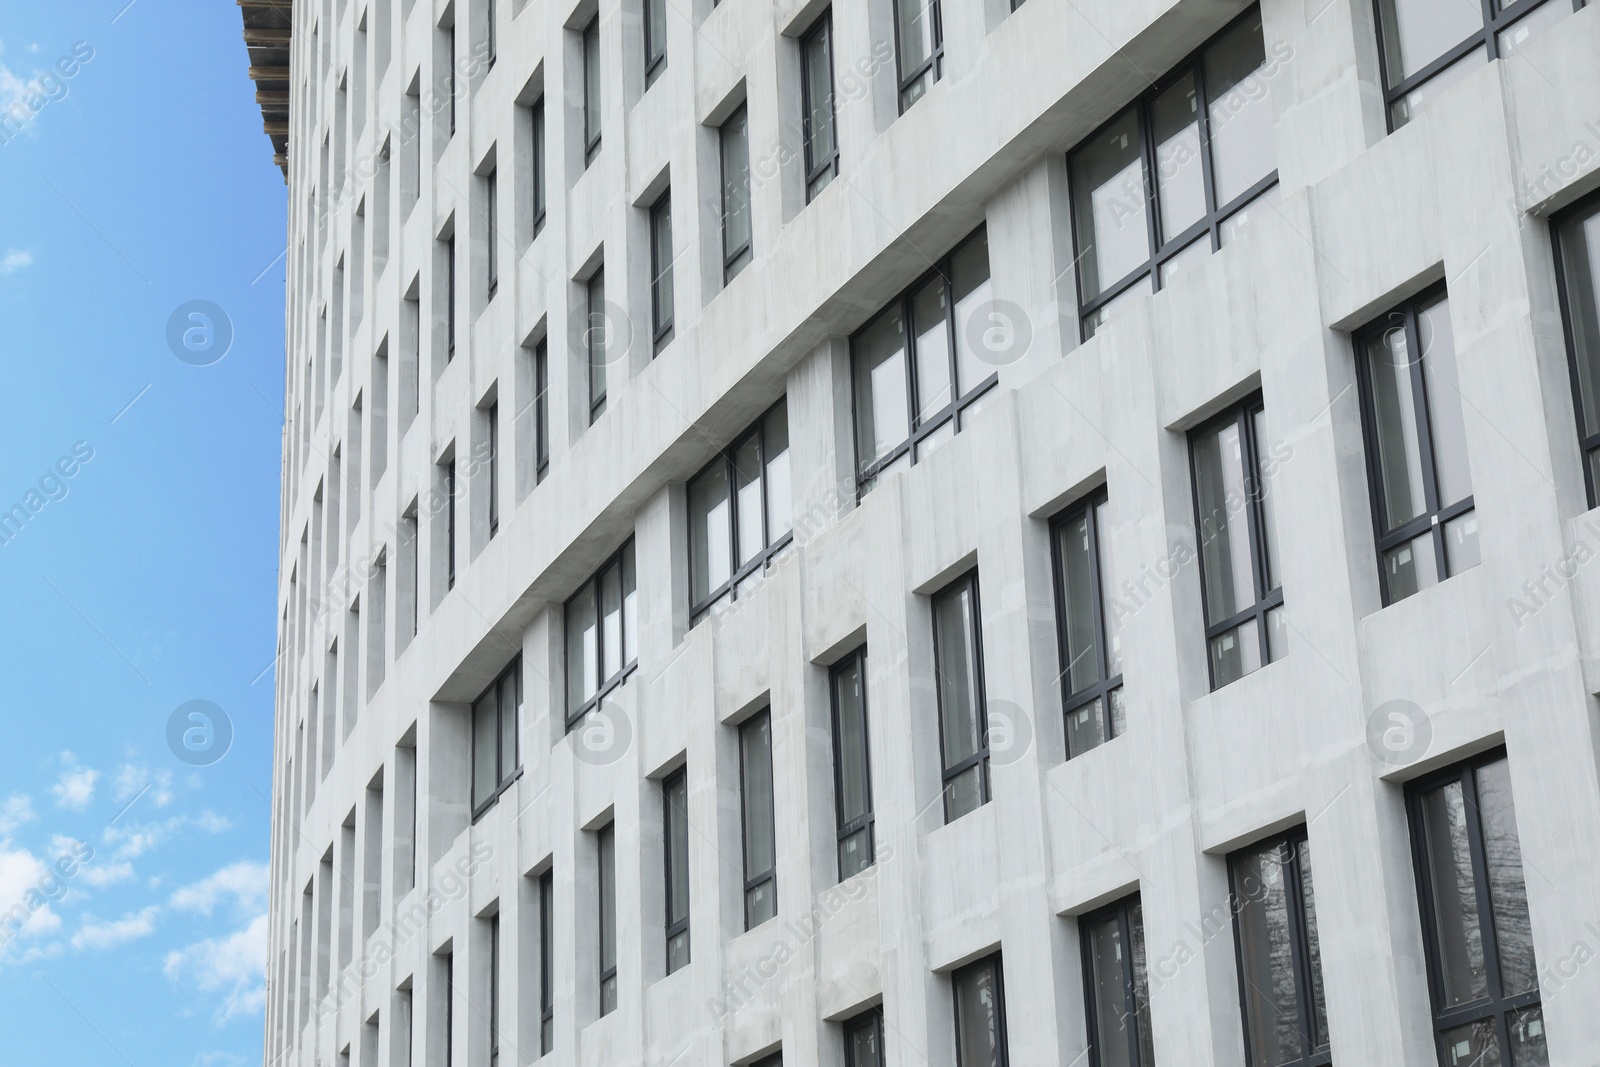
[591, 82]
[1235, 654]
[1452, 890]
[883, 419]
[775, 447]
[933, 348]
[954, 631]
[863, 1045]
[1461, 542]
[1473, 1045]
[677, 813]
[747, 498]
[735, 187]
[1449, 430]
[677, 951]
[655, 29]
[1527, 1033]
[1141, 986]
[917, 33]
[1108, 205]
[1417, 32]
[1111, 1007]
[818, 68]
[597, 338]
[608, 995]
[1277, 635]
[662, 291]
[1403, 111]
[1080, 592]
[1119, 712]
[969, 285]
[1266, 957]
[1266, 487]
[510, 700]
[963, 793]
[755, 739]
[611, 622]
[760, 904]
[1236, 223]
[1532, 25]
[1395, 428]
[608, 899]
[1225, 548]
[943, 435]
[1508, 897]
[1411, 567]
[1308, 906]
[583, 649]
[630, 606]
[1193, 255]
[855, 853]
[1113, 308]
[1244, 145]
[1105, 573]
[850, 700]
[978, 1016]
[485, 764]
[1580, 262]
[1180, 176]
[1086, 727]
[712, 552]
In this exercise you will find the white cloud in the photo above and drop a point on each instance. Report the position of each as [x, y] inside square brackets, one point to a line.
[15, 259]
[103, 935]
[76, 787]
[132, 840]
[234, 965]
[110, 874]
[134, 779]
[15, 812]
[245, 881]
[24, 907]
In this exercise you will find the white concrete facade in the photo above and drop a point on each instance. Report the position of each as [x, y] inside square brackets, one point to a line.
[373, 723]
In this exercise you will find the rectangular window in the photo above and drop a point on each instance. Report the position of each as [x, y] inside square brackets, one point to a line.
[1087, 628]
[489, 42]
[1577, 240]
[1417, 466]
[541, 409]
[601, 623]
[494, 468]
[816, 95]
[445, 996]
[661, 305]
[538, 180]
[852, 764]
[739, 512]
[594, 341]
[863, 1039]
[980, 1003]
[492, 232]
[591, 90]
[734, 141]
[450, 75]
[547, 1009]
[963, 714]
[919, 41]
[906, 405]
[494, 990]
[450, 523]
[1116, 986]
[655, 40]
[450, 298]
[1481, 969]
[675, 820]
[755, 792]
[1234, 524]
[1206, 134]
[410, 544]
[496, 728]
[606, 840]
[1280, 961]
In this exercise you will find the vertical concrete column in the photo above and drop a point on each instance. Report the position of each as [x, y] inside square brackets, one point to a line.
[1032, 319]
[821, 439]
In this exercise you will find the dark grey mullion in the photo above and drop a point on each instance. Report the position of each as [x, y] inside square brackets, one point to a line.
[1480, 874]
[1299, 944]
[1152, 202]
[733, 518]
[1203, 117]
[1419, 400]
[1102, 665]
[1129, 989]
[1258, 522]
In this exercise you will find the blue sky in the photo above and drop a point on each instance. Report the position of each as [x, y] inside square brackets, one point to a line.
[140, 573]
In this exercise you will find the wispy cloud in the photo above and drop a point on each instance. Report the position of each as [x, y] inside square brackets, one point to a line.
[245, 882]
[132, 840]
[134, 778]
[93, 934]
[15, 259]
[75, 788]
[17, 811]
[234, 965]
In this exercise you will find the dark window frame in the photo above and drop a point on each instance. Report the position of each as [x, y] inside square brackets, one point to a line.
[547, 1009]
[591, 138]
[821, 30]
[493, 414]
[661, 324]
[450, 487]
[539, 186]
[450, 298]
[494, 981]
[592, 585]
[681, 927]
[490, 44]
[1436, 517]
[995, 962]
[759, 878]
[1104, 687]
[980, 758]
[1588, 437]
[1208, 225]
[507, 780]
[491, 232]
[541, 409]
[597, 405]
[735, 260]
[606, 839]
[934, 62]
[653, 65]
[1120, 912]
[871, 1019]
[848, 828]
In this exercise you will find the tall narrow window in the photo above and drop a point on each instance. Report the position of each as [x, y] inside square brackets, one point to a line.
[655, 40]
[739, 512]
[450, 297]
[863, 1039]
[494, 990]
[963, 716]
[537, 180]
[601, 623]
[816, 92]
[496, 718]
[1206, 135]
[980, 1003]
[907, 405]
[1238, 544]
[410, 546]
[1417, 465]
[493, 461]
[755, 790]
[490, 45]
[1087, 628]
[734, 139]
[606, 841]
[1577, 239]
[661, 306]
[547, 1009]
[541, 409]
[919, 40]
[450, 77]
[446, 1010]
[450, 523]
[675, 820]
[595, 342]
[591, 90]
[1116, 986]
[491, 232]
[852, 765]
[1481, 968]
[1280, 961]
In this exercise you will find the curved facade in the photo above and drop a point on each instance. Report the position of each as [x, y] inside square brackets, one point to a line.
[939, 531]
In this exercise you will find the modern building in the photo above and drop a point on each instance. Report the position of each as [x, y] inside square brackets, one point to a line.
[907, 532]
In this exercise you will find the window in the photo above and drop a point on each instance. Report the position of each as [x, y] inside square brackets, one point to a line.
[1280, 962]
[1116, 986]
[919, 41]
[1088, 631]
[1417, 464]
[594, 342]
[445, 1003]
[547, 1009]
[734, 142]
[739, 512]
[774, 1060]
[675, 817]
[496, 723]
[541, 409]
[606, 840]
[963, 716]
[494, 991]
[488, 32]
[538, 181]
[1577, 238]
[852, 764]
[863, 1039]
[494, 468]
[601, 629]
[755, 791]
[980, 1003]
[908, 405]
[1239, 583]
[1205, 135]
[816, 94]
[661, 270]
[1426, 47]
[450, 523]
[591, 90]
[450, 298]
[492, 232]
[450, 78]
[655, 40]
